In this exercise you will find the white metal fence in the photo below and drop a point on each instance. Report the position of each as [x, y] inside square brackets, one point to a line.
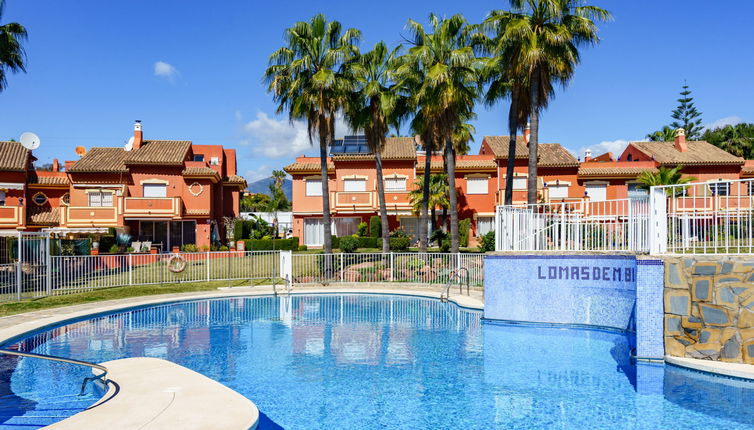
[715, 217]
[429, 268]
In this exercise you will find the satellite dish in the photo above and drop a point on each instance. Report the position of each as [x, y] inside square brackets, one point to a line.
[30, 141]
[80, 151]
[130, 144]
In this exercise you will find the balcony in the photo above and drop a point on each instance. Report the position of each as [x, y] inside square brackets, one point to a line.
[11, 216]
[354, 201]
[89, 216]
[152, 207]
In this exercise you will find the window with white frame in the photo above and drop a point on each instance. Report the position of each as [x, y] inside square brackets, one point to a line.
[484, 225]
[354, 185]
[395, 184]
[558, 191]
[314, 232]
[100, 198]
[313, 187]
[155, 190]
[346, 226]
[720, 188]
[476, 185]
[519, 183]
[596, 192]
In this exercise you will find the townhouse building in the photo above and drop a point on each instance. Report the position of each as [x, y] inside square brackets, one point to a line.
[167, 192]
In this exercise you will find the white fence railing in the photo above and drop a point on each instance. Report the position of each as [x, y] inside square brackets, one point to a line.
[714, 217]
[583, 225]
[429, 268]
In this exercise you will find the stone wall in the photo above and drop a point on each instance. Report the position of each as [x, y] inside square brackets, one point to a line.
[709, 307]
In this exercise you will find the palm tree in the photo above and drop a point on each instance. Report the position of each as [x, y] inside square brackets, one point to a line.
[438, 196]
[665, 176]
[278, 201]
[667, 134]
[737, 139]
[12, 55]
[373, 108]
[309, 79]
[547, 35]
[450, 83]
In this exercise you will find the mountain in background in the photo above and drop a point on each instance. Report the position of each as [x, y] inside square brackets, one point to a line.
[262, 186]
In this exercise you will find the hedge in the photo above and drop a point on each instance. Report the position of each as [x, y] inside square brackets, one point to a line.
[271, 244]
[464, 229]
[399, 243]
[238, 230]
[362, 242]
[375, 226]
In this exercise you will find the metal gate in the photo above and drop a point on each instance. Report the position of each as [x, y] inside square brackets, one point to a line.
[24, 269]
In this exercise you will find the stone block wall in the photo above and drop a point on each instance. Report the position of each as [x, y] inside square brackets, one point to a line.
[709, 307]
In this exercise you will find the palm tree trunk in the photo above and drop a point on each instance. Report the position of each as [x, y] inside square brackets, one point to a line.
[450, 162]
[423, 236]
[324, 143]
[534, 138]
[383, 205]
[512, 129]
[434, 219]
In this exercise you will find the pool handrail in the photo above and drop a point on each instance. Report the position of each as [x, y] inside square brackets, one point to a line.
[102, 376]
[445, 296]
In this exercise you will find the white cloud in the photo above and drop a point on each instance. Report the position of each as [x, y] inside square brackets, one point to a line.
[616, 147]
[728, 120]
[261, 172]
[165, 70]
[274, 138]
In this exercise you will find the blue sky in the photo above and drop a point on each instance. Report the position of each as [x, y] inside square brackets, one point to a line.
[192, 70]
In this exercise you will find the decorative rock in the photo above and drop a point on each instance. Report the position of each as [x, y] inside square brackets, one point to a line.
[743, 267]
[709, 335]
[727, 268]
[745, 318]
[706, 268]
[702, 289]
[725, 296]
[672, 324]
[705, 351]
[746, 334]
[674, 347]
[748, 352]
[731, 350]
[677, 302]
[714, 315]
[674, 277]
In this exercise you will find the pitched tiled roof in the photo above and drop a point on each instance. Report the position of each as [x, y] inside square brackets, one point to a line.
[13, 157]
[604, 171]
[101, 160]
[43, 215]
[200, 171]
[747, 170]
[699, 152]
[160, 153]
[550, 154]
[235, 180]
[48, 180]
[396, 148]
[312, 167]
[461, 165]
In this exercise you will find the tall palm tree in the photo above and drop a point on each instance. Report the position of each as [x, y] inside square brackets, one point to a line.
[309, 80]
[425, 129]
[450, 84]
[278, 200]
[667, 134]
[373, 108]
[438, 196]
[12, 55]
[548, 34]
[665, 176]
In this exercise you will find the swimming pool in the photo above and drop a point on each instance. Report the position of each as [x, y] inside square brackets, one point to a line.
[377, 361]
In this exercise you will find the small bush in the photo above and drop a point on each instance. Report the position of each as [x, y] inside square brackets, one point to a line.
[189, 247]
[238, 230]
[445, 245]
[399, 243]
[464, 228]
[375, 226]
[363, 229]
[271, 244]
[399, 232]
[302, 248]
[114, 249]
[335, 242]
[438, 236]
[204, 248]
[223, 248]
[488, 242]
[349, 244]
[130, 249]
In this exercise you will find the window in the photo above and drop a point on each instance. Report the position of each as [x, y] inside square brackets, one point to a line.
[182, 233]
[65, 199]
[39, 199]
[314, 232]
[346, 226]
[476, 185]
[395, 184]
[519, 183]
[558, 191]
[484, 225]
[2, 198]
[313, 187]
[720, 188]
[100, 198]
[354, 185]
[155, 190]
[198, 157]
[596, 192]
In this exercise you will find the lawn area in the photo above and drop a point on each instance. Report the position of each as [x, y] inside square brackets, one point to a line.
[12, 308]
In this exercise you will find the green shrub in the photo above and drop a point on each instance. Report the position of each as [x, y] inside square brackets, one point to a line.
[438, 236]
[271, 244]
[370, 242]
[114, 249]
[223, 248]
[399, 232]
[399, 243]
[335, 242]
[464, 228]
[302, 248]
[375, 226]
[363, 229]
[349, 243]
[189, 247]
[488, 242]
[130, 249]
[238, 230]
[445, 245]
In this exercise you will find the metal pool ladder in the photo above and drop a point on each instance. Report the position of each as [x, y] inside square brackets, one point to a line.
[456, 275]
[101, 377]
[288, 287]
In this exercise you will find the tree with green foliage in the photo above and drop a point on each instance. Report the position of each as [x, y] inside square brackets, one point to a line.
[737, 139]
[255, 202]
[12, 55]
[375, 228]
[667, 134]
[685, 116]
[665, 176]
[309, 79]
[278, 200]
[438, 196]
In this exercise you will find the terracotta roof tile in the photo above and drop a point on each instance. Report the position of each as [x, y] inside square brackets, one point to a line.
[747, 170]
[699, 152]
[461, 165]
[43, 215]
[200, 171]
[604, 171]
[160, 153]
[396, 148]
[13, 157]
[312, 167]
[235, 180]
[48, 180]
[550, 154]
[101, 160]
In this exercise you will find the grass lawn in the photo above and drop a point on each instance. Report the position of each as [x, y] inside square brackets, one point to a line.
[11, 308]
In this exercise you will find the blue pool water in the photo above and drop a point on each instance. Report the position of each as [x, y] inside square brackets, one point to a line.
[369, 362]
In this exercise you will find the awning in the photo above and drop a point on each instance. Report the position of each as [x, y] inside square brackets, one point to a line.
[8, 232]
[11, 185]
[82, 230]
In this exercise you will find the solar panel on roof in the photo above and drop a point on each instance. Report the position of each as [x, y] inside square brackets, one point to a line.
[350, 145]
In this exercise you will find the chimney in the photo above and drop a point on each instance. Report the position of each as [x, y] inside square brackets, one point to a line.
[138, 139]
[527, 132]
[588, 155]
[680, 140]
[55, 165]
